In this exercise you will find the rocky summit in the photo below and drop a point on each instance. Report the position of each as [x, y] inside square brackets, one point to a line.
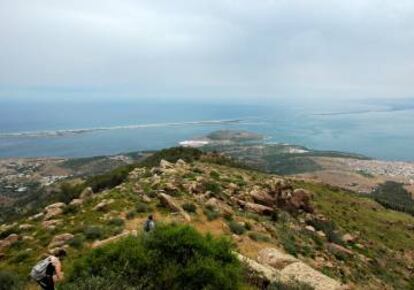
[285, 232]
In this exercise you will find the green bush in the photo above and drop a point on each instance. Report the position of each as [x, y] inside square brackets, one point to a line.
[258, 237]
[68, 191]
[171, 257]
[116, 222]
[214, 187]
[77, 241]
[141, 207]
[93, 232]
[236, 228]
[215, 175]
[288, 242]
[110, 179]
[189, 207]
[394, 196]
[131, 214]
[211, 214]
[172, 155]
[329, 228]
[293, 285]
[10, 281]
[70, 209]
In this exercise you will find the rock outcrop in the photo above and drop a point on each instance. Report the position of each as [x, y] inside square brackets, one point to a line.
[54, 210]
[168, 202]
[60, 240]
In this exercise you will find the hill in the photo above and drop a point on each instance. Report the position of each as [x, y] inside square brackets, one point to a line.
[280, 229]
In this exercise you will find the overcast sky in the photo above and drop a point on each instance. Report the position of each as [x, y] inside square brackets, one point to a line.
[214, 50]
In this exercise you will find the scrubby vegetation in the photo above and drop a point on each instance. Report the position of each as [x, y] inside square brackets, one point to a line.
[393, 195]
[172, 257]
[10, 281]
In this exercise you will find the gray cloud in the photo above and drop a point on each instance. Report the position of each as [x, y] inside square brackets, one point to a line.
[207, 49]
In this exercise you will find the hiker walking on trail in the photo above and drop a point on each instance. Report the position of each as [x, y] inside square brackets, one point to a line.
[149, 224]
[49, 271]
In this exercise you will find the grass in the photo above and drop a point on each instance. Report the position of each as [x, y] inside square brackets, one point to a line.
[383, 232]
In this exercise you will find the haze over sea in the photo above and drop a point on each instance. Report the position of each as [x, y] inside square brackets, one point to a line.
[380, 130]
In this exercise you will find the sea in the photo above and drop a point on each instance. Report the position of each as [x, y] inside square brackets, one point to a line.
[381, 129]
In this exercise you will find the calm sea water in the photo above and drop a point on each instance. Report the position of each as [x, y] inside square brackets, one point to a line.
[381, 130]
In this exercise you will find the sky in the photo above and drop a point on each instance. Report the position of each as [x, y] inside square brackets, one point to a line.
[218, 50]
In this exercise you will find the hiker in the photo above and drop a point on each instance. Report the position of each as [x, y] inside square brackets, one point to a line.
[49, 271]
[149, 224]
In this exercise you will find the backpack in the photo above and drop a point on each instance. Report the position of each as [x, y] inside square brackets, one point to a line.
[148, 226]
[39, 270]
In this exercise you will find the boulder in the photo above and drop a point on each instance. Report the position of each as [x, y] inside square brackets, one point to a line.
[24, 227]
[53, 212]
[146, 198]
[321, 234]
[60, 240]
[275, 258]
[137, 173]
[310, 228]
[103, 205]
[86, 193]
[303, 273]
[263, 274]
[301, 200]
[170, 188]
[338, 249]
[51, 224]
[76, 202]
[168, 202]
[258, 208]
[7, 242]
[164, 164]
[262, 197]
[36, 216]
[55, 205]
[219, 206]
[181, 163]
[348, 238]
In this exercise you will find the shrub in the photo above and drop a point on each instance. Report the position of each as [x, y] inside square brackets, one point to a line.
[189, 207]
[70, 209]
[211, 214]
[141, 207]
[258, 237]
[248, 226]
[77, 241]
[93, 232]
[214, 187]
[172, 155]
[292, 285]
[131, 214]
[215, 175]
[329, 228]
[68, 192]
[10, 281]
[110, 179]
[171, 257]
[236, 228]
[288, 242]
[117, 222]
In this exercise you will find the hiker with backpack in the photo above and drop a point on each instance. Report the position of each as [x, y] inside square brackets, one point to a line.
[149, 224]
[49, 271]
